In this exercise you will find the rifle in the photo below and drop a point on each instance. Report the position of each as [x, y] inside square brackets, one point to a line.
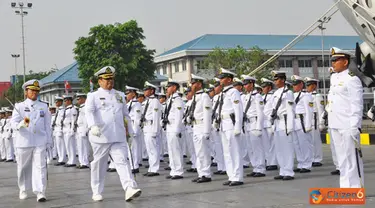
[143, 118]
[274, 111]
[248, 104]
[165, 120]
[192, 109]
[215, 108]
[62, 120]
[325, 118]
[218, 118]
[76, 121]
[54, 120]
[2, 128]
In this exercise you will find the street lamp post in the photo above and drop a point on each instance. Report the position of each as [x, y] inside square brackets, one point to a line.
[20, 11]
[322, 28]
[15, 56]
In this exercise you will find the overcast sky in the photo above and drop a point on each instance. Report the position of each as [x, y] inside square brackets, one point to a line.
[52, 26]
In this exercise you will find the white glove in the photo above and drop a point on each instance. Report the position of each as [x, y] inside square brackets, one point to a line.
[129, 140]
[288, 131]
[308, 130]
[153, 135]
[215, 125]
[95, 130]
[256, 132]
[22, 124]
[236, 132]
[321, 127]
[206, 136]
[355, 133]
[270, 130]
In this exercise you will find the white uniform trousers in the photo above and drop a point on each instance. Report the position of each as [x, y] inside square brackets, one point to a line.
[318, 150]
[266, 145]
[271, 160]
[184, 146]
[333, 150]
[9, 148]
[144, 149]
[203, 153]
[3, 150]
[164, 143]
[60, 146]
[232, 155]
[350, 163]
[161, 147]
[188, 136]
[70, 146]
[134, 154]
[31, 169]
[255, 145]
[246, 155]
[218, 146]
[83, 149]
[284, 152]
[54, 148]
[303, 145]
[152, 146]
[118, 153]
[175, 154]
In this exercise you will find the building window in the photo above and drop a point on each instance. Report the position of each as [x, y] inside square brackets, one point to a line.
[288, 63]
[282, 63]
[164, 69]
[326, 63]
[183, 65]
[304, 63]
[200, 64]
[176, 69]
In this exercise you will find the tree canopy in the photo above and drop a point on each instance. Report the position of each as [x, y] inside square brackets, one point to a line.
[118, 45]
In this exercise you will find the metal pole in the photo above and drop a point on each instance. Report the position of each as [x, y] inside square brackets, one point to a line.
[23, 46]
[324, 71]
[15, 79]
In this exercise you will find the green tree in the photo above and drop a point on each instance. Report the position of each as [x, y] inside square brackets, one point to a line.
[241, 60]
[120, 46]
[15, 93]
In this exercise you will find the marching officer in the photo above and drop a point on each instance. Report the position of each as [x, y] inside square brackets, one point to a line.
[141, 99]
[303, 143]
[53, 156]
[270, 154]
[81, 131]
[32, 121]
[230, 124]
[172, 123]
[345, 119]
[57, 126]
[135, 113]
[253, 126]
[107, 118]
[163, 137]
[282, 117]
[150, 120]
[200, 117]
[188, 134]
[318, 109]
[69, 116]
[2, 134]
[218, 146]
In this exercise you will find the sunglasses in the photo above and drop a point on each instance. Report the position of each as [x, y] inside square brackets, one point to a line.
[107, 79]
[337, 59]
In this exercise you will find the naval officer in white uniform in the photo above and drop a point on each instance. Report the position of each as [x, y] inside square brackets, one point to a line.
[106, 114]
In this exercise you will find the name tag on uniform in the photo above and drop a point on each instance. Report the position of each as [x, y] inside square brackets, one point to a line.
[102, 98]
[41, 114]
[27, 109]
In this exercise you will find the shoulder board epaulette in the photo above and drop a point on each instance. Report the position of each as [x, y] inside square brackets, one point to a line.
[351, 73]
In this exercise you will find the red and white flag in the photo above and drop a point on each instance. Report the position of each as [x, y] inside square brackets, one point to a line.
[67, 87]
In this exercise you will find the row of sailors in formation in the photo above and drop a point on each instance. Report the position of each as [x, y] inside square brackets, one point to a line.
[256, 145]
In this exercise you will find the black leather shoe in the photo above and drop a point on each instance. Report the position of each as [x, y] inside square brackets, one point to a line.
[236, 183]
[185, 156]
[213, 164]
[271, 167]
[188, 163]
[140, 165]
[335, 172]
[251, 174]
[145, 174]
[3, 160]
[147, 166]
[161, 160]
[168, 177]
[195, 180]
[151, 174]
[135, 170]
[111, 170]
[165, 155]
[167, 168]
[176, 177]
[60, 164]
[223, 172]
[257, 175]
[246, 166]
[316, 164]
[54, 158]
[195, 170]
[9, 161]
[204, 180]
[83, 167]
[217, 172]
[226, 183]
[144, 159]
[288, 178]
[304, 170]
[279, 177]
[190, 170]
[69, 165]
[297, 169]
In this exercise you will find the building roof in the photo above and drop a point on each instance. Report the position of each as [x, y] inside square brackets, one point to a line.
[159, 78]
[266, 42]
[68, 73]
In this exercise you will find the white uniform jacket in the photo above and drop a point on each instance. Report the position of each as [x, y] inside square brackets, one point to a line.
[69, 117]
[231, 107]
[153, 110]
[176, 113]
[135, 112]
[304, 110]
[38, 133]
[202, 113]
[346, 101]
[82, 128]
[318, 109]
[268, 106]
[58, 129]
[254, 115]
[107, 109]
[286, 109]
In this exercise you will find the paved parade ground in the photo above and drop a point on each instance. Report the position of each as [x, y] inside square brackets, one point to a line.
[69, 187]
